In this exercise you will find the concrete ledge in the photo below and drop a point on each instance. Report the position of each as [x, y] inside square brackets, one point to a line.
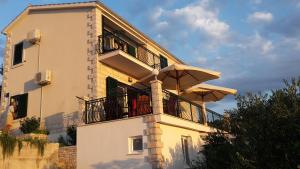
[182, 123]
[32, 136]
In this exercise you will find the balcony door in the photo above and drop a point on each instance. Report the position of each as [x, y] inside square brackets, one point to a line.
[126, 100]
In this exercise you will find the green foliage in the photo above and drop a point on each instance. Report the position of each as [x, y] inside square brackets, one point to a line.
[62, 142]
[28, 125]
[8, 144]
[265, 133]
[46, 132]
[71, 137]
[71, 132]
[31, 125]
[37, 143]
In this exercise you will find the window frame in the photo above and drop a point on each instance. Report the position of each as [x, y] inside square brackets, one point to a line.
[186, 154]
[160, 61]
[131, 146]
[22, 55]
[16, 98]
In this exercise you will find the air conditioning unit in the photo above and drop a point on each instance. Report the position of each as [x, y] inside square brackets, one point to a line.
[34, 36]
[44, 78]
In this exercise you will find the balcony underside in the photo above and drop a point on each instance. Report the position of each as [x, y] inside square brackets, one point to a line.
[126, 63]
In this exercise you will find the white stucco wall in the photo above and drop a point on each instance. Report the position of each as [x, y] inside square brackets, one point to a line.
[172, 144]
[105, 145]
[63, 50]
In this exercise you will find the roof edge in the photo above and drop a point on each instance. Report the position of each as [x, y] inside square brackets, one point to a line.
[81, 5]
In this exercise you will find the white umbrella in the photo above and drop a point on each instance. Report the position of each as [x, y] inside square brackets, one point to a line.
[179, 77]
[207, 93]
[202, 93]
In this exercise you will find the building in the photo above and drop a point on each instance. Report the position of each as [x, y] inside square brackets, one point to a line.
[80, 63]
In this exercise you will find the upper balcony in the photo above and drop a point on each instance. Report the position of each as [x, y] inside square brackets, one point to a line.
[126, 55]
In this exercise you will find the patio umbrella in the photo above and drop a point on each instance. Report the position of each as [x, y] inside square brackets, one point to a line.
[202, 93]
[179, 77]
[207, 93]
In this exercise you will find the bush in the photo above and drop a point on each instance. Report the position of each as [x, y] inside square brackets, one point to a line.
[31, 125]
[264, 133]
[71, 132]
[71, 137]
[28, 125]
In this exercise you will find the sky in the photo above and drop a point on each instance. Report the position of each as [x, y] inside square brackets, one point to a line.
[254, 43]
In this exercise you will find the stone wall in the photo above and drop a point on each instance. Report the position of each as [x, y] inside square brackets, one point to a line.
[67, 157]
[28, 158]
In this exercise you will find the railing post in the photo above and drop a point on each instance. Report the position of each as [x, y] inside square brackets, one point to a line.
[157, 96]
[203, 110]
[191, 112]
[86, 112]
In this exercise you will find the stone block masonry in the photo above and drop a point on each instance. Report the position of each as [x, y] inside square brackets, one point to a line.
[67, 157]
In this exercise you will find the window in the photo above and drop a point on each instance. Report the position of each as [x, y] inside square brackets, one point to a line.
[163, 62]
[186, 143]
[21, 105]
[135, 144]
[131, 50]
[18, 54]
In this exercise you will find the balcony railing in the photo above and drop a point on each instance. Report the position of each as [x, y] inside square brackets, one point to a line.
[185, 109]
[117, 107]
[139, 103]
[111, 42]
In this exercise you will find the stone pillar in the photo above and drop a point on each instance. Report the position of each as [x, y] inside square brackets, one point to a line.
[157, 96]
[154, 132]
[7, 58]
[81, 109]
[204, 115]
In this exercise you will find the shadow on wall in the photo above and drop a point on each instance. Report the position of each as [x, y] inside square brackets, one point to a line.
[57, 123]
[2, 119]
[177, 159]
[175, 162]
[122, 164]
[31, 85]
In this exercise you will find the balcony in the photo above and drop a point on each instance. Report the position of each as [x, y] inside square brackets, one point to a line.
[117, 107]
[138, 103]
[127, 56]
[177, 106]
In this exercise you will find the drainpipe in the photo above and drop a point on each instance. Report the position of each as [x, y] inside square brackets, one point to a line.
[41, 87]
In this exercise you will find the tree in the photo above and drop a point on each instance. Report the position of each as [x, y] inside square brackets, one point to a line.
[265, 133]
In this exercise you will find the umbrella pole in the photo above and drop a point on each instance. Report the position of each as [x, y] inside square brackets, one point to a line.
[203, 109]
[204, 113]
[177, 83]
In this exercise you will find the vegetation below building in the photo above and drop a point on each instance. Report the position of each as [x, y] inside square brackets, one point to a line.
[9, 143]
[264, 133]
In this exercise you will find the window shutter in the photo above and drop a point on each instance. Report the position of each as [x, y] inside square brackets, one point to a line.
[111, 87]
[163, 62]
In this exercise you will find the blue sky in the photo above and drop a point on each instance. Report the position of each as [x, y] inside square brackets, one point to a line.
[254, 43]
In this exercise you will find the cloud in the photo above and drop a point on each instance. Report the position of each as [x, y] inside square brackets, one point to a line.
[201, 60]
[260, 17]
[200, 17]
[256, 2]
[286, 26]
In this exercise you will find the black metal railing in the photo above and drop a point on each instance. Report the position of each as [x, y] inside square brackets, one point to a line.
[179, 107]
[182, 108]
[213, 116]
[110, 42]
[117, 107]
